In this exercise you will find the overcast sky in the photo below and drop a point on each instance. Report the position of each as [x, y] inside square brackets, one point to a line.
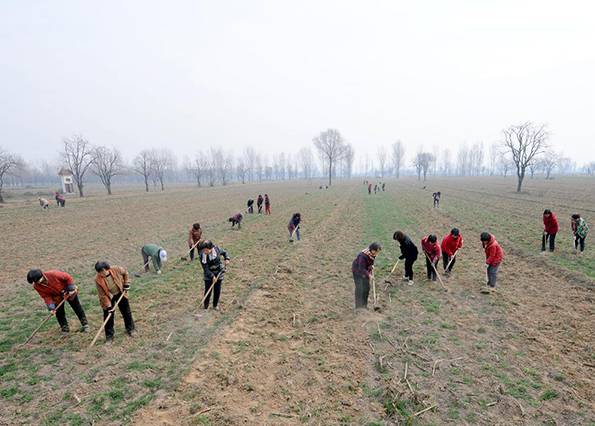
[273, 74]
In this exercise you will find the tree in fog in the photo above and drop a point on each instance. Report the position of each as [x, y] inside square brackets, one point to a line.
[78, 155]
[142, 166]
[504, 163]
[9, 166]
[422, 163]
[524, 142]
[331, 146]
[549, 161]
[445, 161]
[306, 160]
[476, 159]
[590, 168]
[250, 162]
[198, 167]
[398, 153]
[347, 161]
[241, 170]
[565, 165]
[493, 158]
[107, 163]
[463, 160]
[382, 156]
[161, 162]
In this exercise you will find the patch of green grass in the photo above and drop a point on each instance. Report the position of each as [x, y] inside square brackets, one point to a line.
[152, 383]
[432, 306]
[140, 366]
[548, 394]
[371, 392]
[8, 392]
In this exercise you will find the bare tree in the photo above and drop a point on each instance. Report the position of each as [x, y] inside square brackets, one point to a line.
[476, 159]
[524, 141]
[142, 166]
[198, 167]
[306, 159]
[162, 161]
[549, 162]
[446, 166]
[9, 165]
[463, 160]
[493, 158]
[397, 157]
[331, 146]
[504, 163]
[241, 170]
[250, 162]
[107, 163]
[422, 163]
[347, 161]
[382, 156]
[78, 155]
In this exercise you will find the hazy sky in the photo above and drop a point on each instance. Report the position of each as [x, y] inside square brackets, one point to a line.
[272, 74]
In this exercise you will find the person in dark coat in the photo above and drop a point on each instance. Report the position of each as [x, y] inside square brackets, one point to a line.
[236, 219]
[250, 205]
[294, 227]
[409, 252]
[259, 202]
[214, 270]
[436, 196]
[363, 270]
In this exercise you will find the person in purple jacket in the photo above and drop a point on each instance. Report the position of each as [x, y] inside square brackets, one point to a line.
[236, 219]
[363, 270]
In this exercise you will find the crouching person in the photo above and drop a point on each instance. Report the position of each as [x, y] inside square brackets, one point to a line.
[112, 286]
[494, 256]
[55, 287]
[155, 254]
[363, 270]
[236, 219]
[214, 271]
[431, 249]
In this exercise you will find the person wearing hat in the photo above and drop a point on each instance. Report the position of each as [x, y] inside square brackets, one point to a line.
[214, 270]
[156, 254]
[54, 287]
[451, 244]
[431, 248]
[112, 284]
[494, 256]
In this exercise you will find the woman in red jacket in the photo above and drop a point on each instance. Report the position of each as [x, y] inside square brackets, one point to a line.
[451, 244]
[550, 229]
[431, 248]
[494, 256]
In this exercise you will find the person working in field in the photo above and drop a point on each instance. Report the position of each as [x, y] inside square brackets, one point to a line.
[369, 189]
[112, 286]
[294, 227]
[409, 252]
[194, 237]
[60, 200]
[236, 219]
[579, 231]
[56, 287]
[431, 249]
[259, 202]
[154, 253]
[214, 271]
[267, 204]
[45, 204]
[494, 256]
[550, 229]
[436, 197]
[250, 205]
[362, 268]
[451, 244]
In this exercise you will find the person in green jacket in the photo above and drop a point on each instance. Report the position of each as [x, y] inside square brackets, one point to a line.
[154, 253]
[580, 229]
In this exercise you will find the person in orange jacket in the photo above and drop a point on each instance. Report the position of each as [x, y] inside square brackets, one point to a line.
[494, 257]
[54, 287]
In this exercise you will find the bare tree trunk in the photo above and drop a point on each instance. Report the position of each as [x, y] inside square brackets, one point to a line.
[521, 176]
[146, 183]
[80, 187]
[109, 188]
[330, 171]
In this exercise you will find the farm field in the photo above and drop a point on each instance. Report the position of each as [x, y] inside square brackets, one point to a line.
[287, 346]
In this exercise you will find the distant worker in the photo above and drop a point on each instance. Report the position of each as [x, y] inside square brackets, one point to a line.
[409, 252]
[45, 204]
[236, 219]
[494, 256]
[294, 227]
[550, 229]
[154, 253]
[267, 204]
[431, 250]
[55, 288]
[363, 270]
[436, 197]
[579, 231]
[112, 284]
[375, 188]
[250, 205]
[259, 202]
[194, 237]
[214, 271]
[369, 189]
[60, 200]
[451, 244]
[383, 186]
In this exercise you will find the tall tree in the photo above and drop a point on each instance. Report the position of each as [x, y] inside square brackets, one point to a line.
[331, 146]
[162, 161]
[524, 142]
[107, 163]
[306, 160]
[142, 165]
[348, 159]
[78, 155]
[382, 156]
[422, 162]
[9, 165]
[397, 157]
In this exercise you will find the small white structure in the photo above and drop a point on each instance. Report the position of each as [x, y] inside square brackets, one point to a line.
[67, 181]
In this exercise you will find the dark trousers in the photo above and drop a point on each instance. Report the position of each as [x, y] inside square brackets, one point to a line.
[409, 267]
[124, 307]
[552, 241]
[445, 260]
[250, 209]
[216, 292]
[145, 260]
[75, 304]
[430, 269]
[192, 252]
[579, 241]
[492, 272]
[436, 202]
[260, 208]
[362, 290]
